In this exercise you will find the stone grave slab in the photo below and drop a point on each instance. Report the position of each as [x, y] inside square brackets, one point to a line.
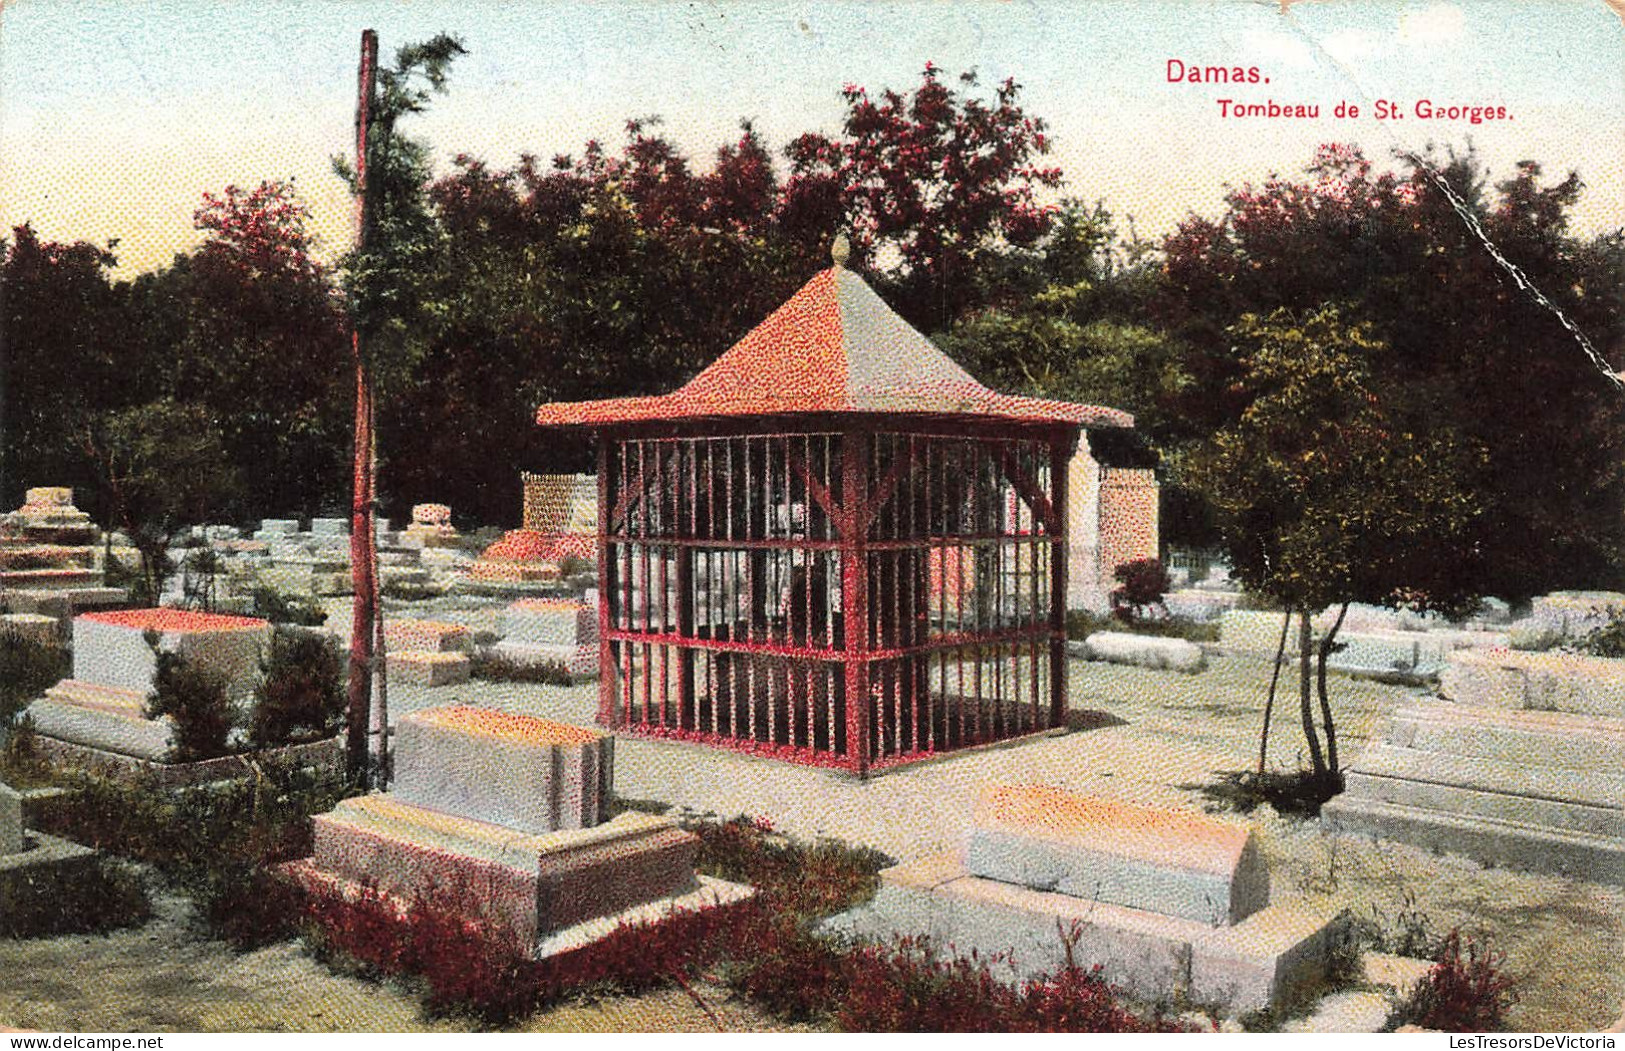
[11, 820]
[1170, 863]
[1490, 772]
[434, 636]
[106, 718]
[503, 816]
[1552, 682]
[1145, 651]
[513, 770]
[110, 648]
[550, 631]
[428, 668]
[1166, 902]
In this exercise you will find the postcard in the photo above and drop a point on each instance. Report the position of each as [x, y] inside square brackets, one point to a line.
[812, 518]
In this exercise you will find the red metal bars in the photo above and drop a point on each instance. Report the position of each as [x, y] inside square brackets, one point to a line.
[846, 598]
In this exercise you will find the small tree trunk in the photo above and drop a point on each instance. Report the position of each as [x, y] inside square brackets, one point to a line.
[1320, 684]
[380, 672]
[363, 612]
[1305, 696]
[1269, 702]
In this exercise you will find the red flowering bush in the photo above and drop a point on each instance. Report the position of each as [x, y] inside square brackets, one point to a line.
[1461, 995]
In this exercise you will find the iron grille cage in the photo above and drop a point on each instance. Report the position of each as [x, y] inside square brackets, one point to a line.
[753, 585]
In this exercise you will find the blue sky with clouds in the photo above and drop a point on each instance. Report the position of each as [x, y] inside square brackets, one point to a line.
[115, 117]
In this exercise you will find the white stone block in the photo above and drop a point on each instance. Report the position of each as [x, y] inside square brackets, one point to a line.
[1172, 863]
[550, 622]
[511, 770]
[1145, 651]
[11, 820]
[279, 525]
[330, 526]
[432, 635]
[110, 648]
[1554, 682]
[428, 668]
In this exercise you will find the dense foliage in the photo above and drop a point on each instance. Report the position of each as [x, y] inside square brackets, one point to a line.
[623, 268]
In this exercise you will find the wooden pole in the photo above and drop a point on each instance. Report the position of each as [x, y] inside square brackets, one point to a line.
[855, 595]
[1059, 527]
[362, 578]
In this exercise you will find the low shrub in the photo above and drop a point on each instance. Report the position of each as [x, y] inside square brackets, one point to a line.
[27, 669]
[21, 765]
[195, 698]
[1296, 794]
[907, 987]
[405, 591]
[1141, 585]
[1608, 640]
[1460, 994]
[494, 667]
[272, 605]
[104, 895]
[301, 697]
[212, 842]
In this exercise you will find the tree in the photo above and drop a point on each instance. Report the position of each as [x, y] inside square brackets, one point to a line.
[948, 180]
[163, 465]
[263, 344]
[1326, 495]
[1469, 350]
[60, 365]
[382, 275]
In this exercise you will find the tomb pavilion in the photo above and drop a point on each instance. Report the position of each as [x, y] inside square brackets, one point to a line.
[834, 546]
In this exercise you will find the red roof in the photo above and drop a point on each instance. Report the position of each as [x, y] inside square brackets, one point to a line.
[833, 347]
[170, 621]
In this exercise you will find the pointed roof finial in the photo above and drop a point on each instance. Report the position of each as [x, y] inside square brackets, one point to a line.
[841, 250]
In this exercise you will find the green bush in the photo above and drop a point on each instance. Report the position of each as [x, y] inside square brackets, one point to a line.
[27, 669]
[195, 698]
[76, 899]
[278, 608]
[1080, 624]
[1607, 640]
[214, 843]
[301, 697]
[494, 667]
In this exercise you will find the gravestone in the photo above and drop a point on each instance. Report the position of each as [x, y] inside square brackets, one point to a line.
[505, 817]
[551, 631]
[103, 705]
[11, 820]
[1166, 902]
[1145, 651]
[430, 527]
[1517, 763]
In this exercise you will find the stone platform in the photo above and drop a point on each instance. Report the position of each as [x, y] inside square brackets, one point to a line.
[110, 648]
[551, 631]
[1166, 902]
[502, 816]
[1513, 788]
[31, 862]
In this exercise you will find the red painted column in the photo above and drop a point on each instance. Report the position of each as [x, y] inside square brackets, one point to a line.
[1059, 525]
[608, 702]
[854, 528]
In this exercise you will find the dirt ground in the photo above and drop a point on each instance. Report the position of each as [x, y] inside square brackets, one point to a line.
[1155, 737]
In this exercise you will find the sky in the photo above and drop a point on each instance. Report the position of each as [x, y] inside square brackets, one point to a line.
[115, 117]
